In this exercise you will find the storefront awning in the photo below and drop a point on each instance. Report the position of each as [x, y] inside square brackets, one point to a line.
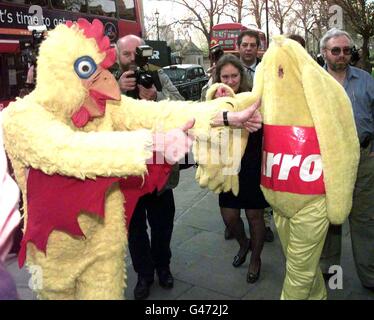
[9, 46]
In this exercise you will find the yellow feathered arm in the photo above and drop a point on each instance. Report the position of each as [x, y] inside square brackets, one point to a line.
[29, 128]
[218, 167]
[219, 158]
[130, 114]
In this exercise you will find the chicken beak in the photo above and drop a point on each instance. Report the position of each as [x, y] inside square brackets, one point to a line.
[106, 84]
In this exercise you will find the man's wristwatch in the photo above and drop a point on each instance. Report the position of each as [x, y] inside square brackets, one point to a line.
[225, 120]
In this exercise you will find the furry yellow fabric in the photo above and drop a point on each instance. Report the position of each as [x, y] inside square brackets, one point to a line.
[38, 133]
[306, 95]
[219, 159]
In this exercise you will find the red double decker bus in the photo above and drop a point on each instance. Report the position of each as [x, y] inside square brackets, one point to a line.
[226, 35]
[120, 17]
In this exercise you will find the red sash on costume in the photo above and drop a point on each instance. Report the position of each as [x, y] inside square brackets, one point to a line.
[55, 201]
[292, 160]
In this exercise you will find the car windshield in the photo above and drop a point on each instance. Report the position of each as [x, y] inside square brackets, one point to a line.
[176, 74]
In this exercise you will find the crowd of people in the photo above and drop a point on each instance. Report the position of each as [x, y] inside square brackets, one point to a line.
[151, 253]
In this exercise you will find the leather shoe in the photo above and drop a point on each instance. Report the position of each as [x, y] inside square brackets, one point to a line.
[228, 234]
[141, 290]
[239, 259]
[253, 277]
[269, 235]
[165, 279]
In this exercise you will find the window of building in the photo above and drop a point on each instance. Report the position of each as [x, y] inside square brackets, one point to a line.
[41, 3]
[126, 10]
[70, 5]
[105, 8]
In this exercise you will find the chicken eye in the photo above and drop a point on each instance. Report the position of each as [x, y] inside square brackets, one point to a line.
[85, 67]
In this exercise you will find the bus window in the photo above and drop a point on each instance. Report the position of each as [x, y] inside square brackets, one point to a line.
[105, 8]
[41, 3]
[126, 9]
[219, 33]
[233, 33]
[70, 5]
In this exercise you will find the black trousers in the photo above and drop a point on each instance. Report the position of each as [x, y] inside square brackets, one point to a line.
[150, 255]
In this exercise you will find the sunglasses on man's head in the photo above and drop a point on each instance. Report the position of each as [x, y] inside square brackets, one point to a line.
[335, 51]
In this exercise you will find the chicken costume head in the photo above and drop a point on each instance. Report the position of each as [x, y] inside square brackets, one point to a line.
[76, 56]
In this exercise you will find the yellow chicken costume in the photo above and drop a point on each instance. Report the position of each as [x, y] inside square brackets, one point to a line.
[310, 159]
[77, 147]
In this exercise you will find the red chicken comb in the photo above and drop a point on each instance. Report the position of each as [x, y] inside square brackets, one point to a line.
[96, 31]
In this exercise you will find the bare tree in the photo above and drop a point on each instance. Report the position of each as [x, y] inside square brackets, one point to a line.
[235, 10]
[322, 17]
[256, 8]
[360, 14]
[239, 9]
[279, 10]
[201, 15]
[308, 14]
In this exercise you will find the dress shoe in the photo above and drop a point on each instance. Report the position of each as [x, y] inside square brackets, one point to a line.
[141, 290]
[253, 277]
[165, 279]
[269, 235]
[239, 259]
[228, 234]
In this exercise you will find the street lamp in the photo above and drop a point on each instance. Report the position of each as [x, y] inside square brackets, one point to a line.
[157, 14]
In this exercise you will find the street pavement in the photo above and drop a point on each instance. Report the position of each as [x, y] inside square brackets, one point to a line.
[201, 261]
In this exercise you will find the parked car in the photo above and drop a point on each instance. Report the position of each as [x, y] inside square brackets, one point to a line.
[189, 79]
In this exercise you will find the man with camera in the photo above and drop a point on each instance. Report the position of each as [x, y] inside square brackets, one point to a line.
[147, 255]
[161, 88]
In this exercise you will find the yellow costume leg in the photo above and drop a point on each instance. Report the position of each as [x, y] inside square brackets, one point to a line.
[88, 268]
[302, 238]
[104, 278]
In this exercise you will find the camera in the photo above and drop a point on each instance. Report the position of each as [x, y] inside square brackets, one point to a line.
[355, 57]
[215, 53]
[142, 54]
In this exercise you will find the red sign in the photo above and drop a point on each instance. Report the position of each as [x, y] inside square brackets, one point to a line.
[292, 160]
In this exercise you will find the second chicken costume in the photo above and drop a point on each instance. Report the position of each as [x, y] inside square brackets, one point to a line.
[310, 159]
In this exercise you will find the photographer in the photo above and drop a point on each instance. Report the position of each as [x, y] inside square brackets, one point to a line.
[148, 255]
[162, 87]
